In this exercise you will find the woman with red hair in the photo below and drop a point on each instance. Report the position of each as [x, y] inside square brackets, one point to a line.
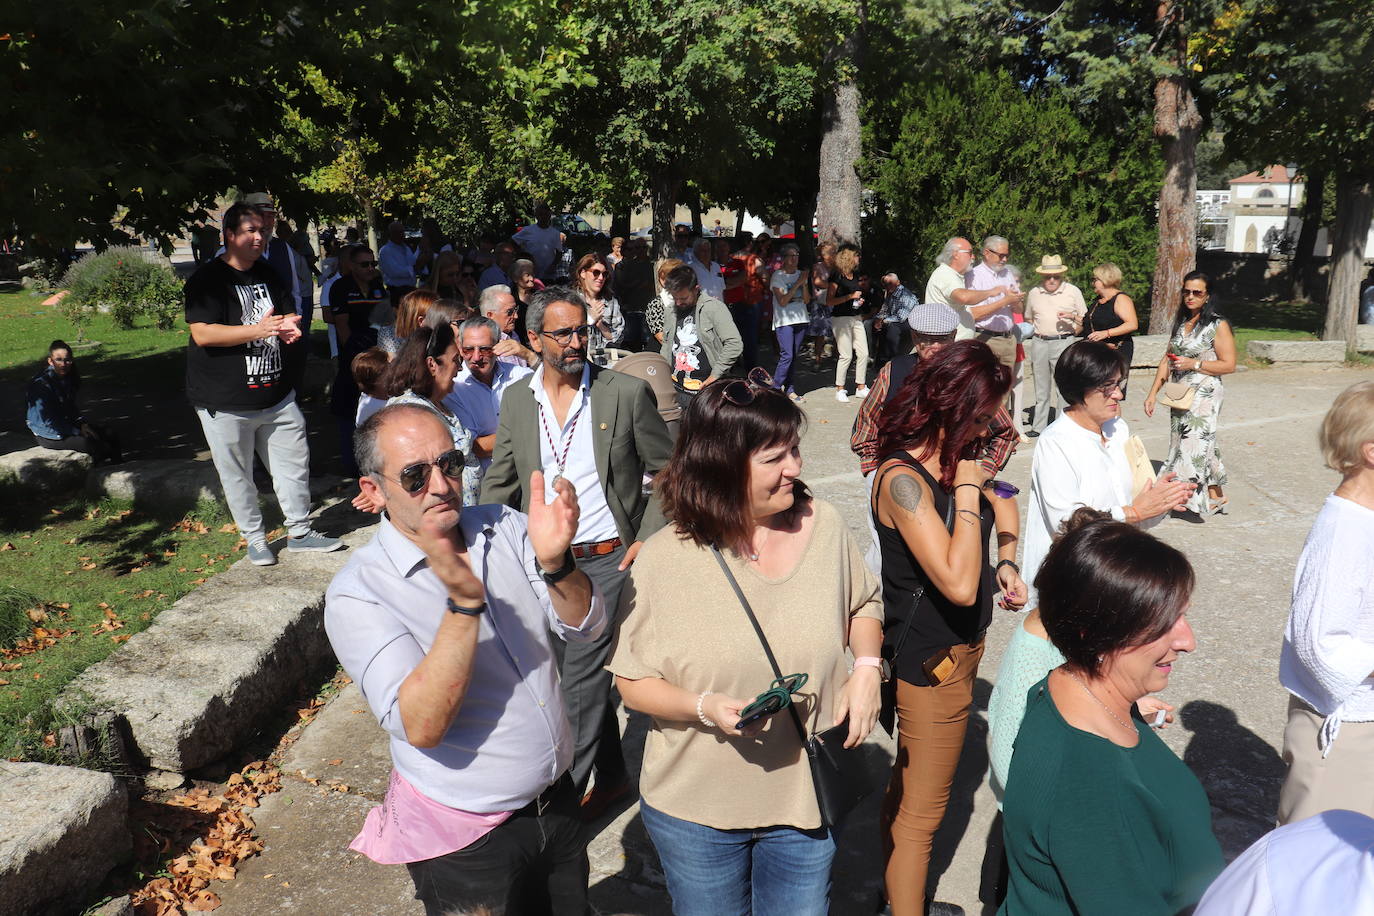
[934, 522]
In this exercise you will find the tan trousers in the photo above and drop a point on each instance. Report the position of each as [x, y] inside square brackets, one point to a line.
[1003, 346]
[851, 343]
[931, 722]
[1343, 779]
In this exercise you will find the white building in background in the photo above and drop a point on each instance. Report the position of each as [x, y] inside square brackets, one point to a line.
[1265, 207]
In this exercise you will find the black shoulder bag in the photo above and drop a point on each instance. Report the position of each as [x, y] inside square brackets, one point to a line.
[887, 712]
[838, 773]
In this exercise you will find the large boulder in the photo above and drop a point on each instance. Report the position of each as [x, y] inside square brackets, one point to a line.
[47, 470]
[64, 829]
[172, 485]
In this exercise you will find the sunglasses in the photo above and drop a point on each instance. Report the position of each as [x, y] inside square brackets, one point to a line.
[468, 351]
[564, 336]
[1193, 293]
[742, 391]
[413, 477]
[1002, 489]
[597, 272]
[998, 254]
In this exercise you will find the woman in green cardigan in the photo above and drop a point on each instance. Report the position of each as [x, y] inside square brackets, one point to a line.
[1100, 816]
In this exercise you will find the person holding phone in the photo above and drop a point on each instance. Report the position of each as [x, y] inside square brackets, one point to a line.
[732, 811]
[934, 521]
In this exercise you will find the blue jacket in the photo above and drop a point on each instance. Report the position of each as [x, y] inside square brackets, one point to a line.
[52, 410]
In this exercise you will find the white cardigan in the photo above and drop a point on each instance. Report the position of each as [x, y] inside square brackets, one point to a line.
[1328, 646]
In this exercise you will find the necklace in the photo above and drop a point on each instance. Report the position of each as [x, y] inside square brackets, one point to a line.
[561, 460]
[1088, 691]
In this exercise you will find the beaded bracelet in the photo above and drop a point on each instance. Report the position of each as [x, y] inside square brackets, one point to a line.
[701, 715]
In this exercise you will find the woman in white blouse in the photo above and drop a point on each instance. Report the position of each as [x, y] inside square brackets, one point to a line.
[1327, 662]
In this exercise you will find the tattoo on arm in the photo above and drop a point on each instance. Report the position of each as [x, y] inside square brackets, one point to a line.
[906, 492]
[968, 515]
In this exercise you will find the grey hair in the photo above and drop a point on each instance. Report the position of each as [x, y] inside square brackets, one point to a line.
[542, 299]
[478, 323]
[1014, 271]
[993, 241]
[486, 303]
[895, 279]
[947, 253]
[789, 248]
[521, 266]
[367, 452]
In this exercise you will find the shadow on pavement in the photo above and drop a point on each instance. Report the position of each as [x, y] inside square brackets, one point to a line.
[1241, 772]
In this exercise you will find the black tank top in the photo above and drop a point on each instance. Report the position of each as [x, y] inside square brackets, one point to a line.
[938, 623]
[1103, 317]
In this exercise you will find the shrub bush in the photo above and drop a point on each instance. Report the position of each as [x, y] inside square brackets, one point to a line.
[125, 283]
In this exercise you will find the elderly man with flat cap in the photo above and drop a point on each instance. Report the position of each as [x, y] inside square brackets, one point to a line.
[1055, 307]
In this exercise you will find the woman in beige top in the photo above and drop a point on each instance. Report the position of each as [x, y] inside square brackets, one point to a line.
[733, 812]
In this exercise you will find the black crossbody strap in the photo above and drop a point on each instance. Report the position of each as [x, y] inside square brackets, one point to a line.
[767, 649]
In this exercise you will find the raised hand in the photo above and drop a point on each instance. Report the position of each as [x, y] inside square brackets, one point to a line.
[553, 524]
[442, 541]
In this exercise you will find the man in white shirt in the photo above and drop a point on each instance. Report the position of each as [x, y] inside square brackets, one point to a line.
[1055, 309]
[708, 271]
[397, 262]
[478, 387]
[948, 286]
[543, 241]
[992, 319]
[498, 304]
[602, 431]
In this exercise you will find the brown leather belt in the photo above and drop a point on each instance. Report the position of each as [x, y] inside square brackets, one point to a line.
[597, 549]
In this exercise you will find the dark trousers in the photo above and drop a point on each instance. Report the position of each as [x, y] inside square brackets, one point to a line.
[533, 863]
[587, 684]
[100, 443]
[747, 320]
[894, 340]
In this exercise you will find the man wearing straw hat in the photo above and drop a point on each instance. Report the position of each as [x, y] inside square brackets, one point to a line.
[1055, 308]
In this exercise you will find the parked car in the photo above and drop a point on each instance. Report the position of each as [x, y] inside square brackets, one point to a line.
[574, 226]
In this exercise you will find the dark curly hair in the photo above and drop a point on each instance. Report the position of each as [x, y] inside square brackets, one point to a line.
[1107, 586]
[944, 394]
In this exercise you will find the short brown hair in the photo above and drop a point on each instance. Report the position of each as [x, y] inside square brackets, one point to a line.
[1107, 586]
[410, 311]
[367, 368]
[705, 487]
[1347, 427]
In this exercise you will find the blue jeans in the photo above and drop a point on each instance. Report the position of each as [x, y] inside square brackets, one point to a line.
[789, 339]
[767, 871]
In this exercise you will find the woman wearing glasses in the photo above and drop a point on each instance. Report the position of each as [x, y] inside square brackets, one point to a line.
[1201, 350]
[603, 312]
[1111, 318]
[733, 812]
[934, 524]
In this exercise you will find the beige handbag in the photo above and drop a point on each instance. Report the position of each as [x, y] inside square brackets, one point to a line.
[1142, 471]
[1176, 395]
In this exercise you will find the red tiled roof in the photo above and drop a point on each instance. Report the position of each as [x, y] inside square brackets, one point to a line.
[1266, 175]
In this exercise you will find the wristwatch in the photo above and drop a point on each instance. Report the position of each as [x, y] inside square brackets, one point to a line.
[455, 608]
[872, 661]
[562, 572]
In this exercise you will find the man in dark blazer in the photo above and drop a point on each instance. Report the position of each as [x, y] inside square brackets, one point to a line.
[601, 430]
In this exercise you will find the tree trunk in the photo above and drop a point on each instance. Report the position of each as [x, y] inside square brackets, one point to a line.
[841, 193]
[1176, 126]
[371, 213]
[694, 204]
[620, 222]
[1301, 273]
[803, 212]
[664, 185]
[739, 221]
[1354, 211]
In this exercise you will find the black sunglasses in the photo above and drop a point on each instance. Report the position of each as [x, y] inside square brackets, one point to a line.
[413, 477]
[564, 336]
[742, 391]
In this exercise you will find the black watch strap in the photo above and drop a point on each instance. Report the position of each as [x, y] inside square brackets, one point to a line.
[562, 572]
[454, 608]
[1011, 563]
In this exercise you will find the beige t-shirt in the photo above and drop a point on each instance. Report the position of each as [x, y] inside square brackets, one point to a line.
[680, 620]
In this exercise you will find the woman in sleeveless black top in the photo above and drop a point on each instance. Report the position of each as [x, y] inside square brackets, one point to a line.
[933, 522]
[1111, 317]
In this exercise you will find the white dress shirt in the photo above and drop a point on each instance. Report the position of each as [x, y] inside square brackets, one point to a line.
[477, 404]
[1072, 468]
[1328, 645]
[986, 277]
[397, 264]
[709, 279]
[510, 739]
[575, 435]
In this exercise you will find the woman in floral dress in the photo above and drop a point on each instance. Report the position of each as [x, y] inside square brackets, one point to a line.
[1201, 350]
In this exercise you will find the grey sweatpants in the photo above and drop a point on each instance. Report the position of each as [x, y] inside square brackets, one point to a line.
[277, 434]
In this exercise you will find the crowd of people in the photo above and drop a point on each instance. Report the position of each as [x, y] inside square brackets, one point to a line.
[558, 518]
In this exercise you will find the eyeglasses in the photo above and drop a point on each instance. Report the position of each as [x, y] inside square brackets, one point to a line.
[998, 254]
[597, 272]
[742, 391]
[564, 336]
[364, 263]
[1193, 293]
[468, 351]
[513, 310]
[413, 477]
[1108, 389]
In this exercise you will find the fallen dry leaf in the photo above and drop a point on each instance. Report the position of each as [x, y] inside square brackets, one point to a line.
[336, 761]
[37, 614]
[228, 528]
[6, 546]
[203, 902]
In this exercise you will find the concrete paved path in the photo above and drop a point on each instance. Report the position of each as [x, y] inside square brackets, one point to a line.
[1231, 707]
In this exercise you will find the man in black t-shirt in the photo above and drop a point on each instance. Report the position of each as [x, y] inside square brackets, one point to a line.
[353, 301]
[245, 340]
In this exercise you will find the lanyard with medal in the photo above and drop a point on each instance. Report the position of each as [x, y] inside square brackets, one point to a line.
[560, 460]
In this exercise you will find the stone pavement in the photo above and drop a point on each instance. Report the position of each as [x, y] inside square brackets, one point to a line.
[1230, 707]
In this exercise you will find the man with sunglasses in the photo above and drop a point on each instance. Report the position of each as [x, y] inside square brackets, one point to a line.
[602, 431]
[245, 338]
[443, 620]
[479, 387]
[989, 295]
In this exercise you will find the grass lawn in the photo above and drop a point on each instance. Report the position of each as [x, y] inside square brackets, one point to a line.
[78, 577]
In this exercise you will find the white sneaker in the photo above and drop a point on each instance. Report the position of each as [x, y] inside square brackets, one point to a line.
[841, 396]
[862, 392]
